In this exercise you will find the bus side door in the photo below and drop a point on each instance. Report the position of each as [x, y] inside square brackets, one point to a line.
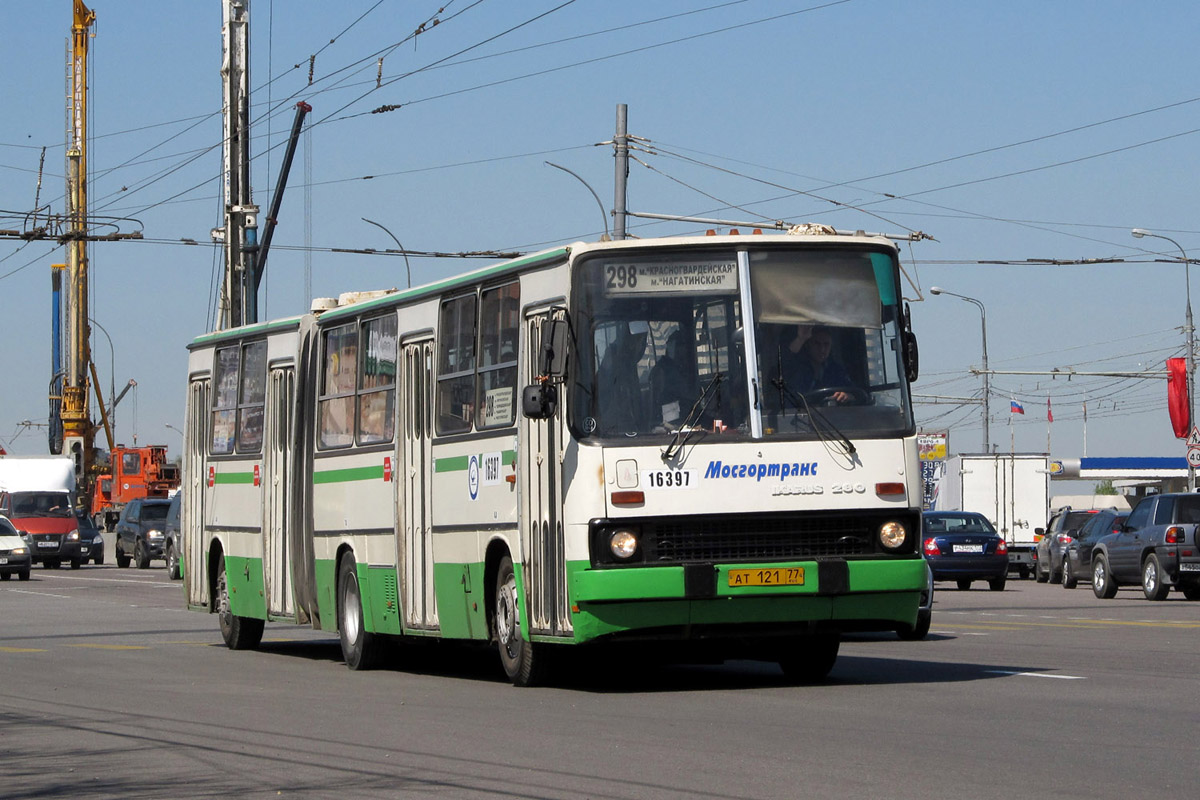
[416, 425]
[539, 470]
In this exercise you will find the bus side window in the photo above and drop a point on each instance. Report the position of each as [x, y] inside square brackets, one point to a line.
[456, 365]
[499, 326]
[252, 397]
[336, 401]
[377, 381]
[225, 394]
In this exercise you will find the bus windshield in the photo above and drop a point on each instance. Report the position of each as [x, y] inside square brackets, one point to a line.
[662, 344]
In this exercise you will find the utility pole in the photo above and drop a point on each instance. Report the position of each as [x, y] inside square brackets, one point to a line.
[240, 232]
[621, 146]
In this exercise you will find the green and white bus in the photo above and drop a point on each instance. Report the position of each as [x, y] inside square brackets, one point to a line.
[607, 442]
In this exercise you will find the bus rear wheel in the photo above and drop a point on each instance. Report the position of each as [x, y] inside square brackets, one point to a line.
[360, 648]
[239, 633]
[523, 661]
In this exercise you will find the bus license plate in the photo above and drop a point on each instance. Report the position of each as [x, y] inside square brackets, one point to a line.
[779, 576]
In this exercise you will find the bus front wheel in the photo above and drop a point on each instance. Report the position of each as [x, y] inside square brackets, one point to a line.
[523, 661]
[809, 659]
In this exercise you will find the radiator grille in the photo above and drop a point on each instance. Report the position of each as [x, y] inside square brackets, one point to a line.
[751, 538]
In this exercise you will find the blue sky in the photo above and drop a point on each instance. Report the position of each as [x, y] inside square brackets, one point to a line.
[1011, 132]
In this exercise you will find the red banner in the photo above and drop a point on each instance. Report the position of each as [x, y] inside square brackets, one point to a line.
[1177, 397]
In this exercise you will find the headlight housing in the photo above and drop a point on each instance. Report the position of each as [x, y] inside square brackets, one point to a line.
[892, 536]
[615, 542]
[19, 551]
[153, 534]
[623, 544]
[73, 536]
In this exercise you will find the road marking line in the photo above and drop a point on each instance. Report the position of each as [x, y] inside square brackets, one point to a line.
[21, 650]
[1036, 675]
[110, 646]
[42, 594]
[1090, 624]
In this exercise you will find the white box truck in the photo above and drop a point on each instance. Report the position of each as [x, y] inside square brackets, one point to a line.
[1012, 490]
[37, 494]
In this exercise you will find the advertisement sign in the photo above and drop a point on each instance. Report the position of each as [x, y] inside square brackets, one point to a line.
[933, 445]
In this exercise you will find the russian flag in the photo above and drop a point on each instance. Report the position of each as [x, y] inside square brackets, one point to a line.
[1016, 408]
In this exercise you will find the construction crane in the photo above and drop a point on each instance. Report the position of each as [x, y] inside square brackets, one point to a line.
[78, 430]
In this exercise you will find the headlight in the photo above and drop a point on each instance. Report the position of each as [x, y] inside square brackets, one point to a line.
[19, 551]
[154, 534]
[892, 535]
[73, 536]
[623, 543]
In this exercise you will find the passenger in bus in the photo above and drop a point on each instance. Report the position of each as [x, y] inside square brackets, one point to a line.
[673, 381]
[807, 365]
[618, 386]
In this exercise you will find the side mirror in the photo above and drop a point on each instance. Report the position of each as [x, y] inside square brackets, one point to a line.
[909, 352]
[539, 400]
[1039, 531]
[554, 348]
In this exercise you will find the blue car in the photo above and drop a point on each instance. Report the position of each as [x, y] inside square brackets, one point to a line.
[963, 546]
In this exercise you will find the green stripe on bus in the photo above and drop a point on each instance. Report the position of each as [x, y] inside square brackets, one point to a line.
[347, 475]
[463, 463]
[233, 477]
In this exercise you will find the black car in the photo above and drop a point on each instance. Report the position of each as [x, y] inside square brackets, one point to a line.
[1064, 524]
[91, 539]
[173, 539]
[1077, 559]
[963, 546]
[139, 531]
[1158, 547]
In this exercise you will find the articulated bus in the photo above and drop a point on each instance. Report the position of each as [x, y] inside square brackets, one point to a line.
[625, 441]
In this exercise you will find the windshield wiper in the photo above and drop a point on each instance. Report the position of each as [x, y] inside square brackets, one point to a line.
[688, 426]
[801, 404]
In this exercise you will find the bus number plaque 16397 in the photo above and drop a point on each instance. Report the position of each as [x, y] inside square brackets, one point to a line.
[670, 478]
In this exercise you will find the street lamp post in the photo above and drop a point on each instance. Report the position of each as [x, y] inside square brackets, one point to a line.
[1189, 331]
[987, 445]
[403, 252]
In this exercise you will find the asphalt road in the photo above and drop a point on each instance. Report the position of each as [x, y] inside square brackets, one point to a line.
[111, 689]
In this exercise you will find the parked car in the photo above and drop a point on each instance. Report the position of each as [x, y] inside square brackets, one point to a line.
[91, 539]
[1077, 559]
[963, 546]
[924, 612]
[1158, 546]
[139, 531]
[173, 539]
[15, 556]
[1064, 523]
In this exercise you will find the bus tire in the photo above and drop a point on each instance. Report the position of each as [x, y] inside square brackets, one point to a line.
[360, 648]
[523, 661]
[809, 659]
[239, 633]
